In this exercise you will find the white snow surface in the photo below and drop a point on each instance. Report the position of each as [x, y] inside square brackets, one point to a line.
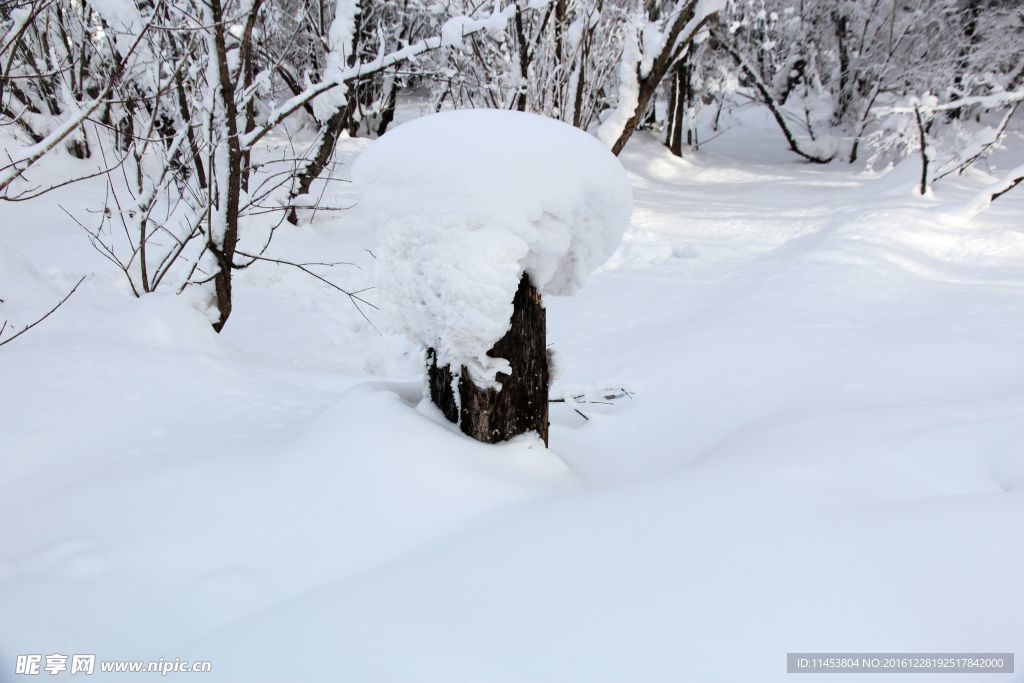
[465, 202]
[822, 452]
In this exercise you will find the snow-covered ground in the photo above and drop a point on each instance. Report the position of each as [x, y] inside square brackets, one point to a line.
[823, 449]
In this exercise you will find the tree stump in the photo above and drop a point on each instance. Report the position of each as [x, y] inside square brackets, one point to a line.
[522, 403]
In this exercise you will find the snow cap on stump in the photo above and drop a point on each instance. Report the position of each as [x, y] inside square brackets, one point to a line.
[465, 202]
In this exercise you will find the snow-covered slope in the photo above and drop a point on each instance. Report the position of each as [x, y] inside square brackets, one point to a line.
[822, 451]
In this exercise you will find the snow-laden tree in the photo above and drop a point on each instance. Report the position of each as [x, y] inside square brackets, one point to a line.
[175, 102]
[557, 59]
[596, 64]
[659, 34]
[829, 70]
[59, 65]
[170, 101]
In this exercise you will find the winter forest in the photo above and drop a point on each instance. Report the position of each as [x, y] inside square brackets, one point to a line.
[511, 341]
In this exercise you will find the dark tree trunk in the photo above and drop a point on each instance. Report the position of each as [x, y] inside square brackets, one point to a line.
[679, 101]
[845, 82]
[224, 252]
[922, 132]
[522, 404]
[668, 56]
[329, 134]
[387, 114]
[523, 49]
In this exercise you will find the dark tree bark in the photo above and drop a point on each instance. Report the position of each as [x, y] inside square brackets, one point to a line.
[328, 138]
[577, 106]
[331, 130]
[387, 114]
[224, 252]
[523, 51]
[843, 48]
[680, 98]
[923, 127]
[522, 404]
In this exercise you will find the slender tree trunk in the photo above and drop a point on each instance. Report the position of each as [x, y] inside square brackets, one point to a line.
[523, 50]
[328, 138]
[581, 78]
[922, 132]
[688, 100]
[522, 404]
[660, 66]
[842, 47]
[679, 102]
[672, 104]
[229, 197]
[387, 114]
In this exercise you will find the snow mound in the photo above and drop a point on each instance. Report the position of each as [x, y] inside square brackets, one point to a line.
[465, 202]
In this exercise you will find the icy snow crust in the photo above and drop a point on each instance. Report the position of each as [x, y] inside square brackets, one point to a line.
[465, 202]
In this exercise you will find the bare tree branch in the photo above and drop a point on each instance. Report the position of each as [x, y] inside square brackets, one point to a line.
[40, 319]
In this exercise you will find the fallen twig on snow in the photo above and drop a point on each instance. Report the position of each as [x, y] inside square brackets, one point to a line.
[604, 397]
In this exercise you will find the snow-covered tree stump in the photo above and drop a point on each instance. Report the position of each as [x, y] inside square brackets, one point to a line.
[522, 404]
[479, 213]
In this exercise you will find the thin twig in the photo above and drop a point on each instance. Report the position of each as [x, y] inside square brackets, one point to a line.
[44, 317]
[353, 296]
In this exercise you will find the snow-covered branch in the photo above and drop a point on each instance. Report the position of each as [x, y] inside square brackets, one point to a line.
[993, 101]
[452, 34]
[649, 49]
[18, 161]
